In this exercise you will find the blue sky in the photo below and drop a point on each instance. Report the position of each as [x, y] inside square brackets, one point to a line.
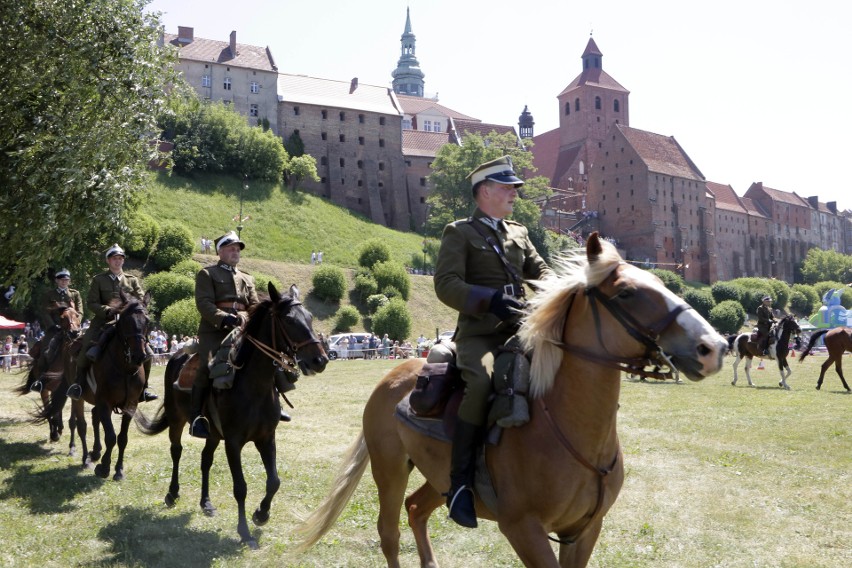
[753, 90]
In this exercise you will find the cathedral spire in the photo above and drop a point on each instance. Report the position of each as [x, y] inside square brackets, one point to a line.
[407, 77]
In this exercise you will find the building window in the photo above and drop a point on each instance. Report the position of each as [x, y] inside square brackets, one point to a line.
[361, 118]
[406, 124]
[324, 114]
[227, 84]
[254, 87]
[381, 184]
[205, 81]
[422, 182]
[360, 182]
[343, 138]
[324, 135]
[361, 164]
[381, 142]
[577, 104]
[296, 111]
[381, 165]
[342, 116]
[361, 140]
[253, 110]
[615, 106]
[427, 125]
[342, 162]
[381, 121]
[437, 126]
[322, 179]
[597, 103]
[323, 161]
[567, 108]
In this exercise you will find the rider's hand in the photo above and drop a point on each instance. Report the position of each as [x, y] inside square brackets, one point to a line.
[230, 321]
[504, 306]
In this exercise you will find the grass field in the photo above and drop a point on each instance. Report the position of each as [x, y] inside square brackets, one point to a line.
[715, 476]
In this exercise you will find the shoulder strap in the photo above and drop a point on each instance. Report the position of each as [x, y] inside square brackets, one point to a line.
[510, 270]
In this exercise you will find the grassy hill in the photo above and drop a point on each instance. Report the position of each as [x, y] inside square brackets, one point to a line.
[285, 226]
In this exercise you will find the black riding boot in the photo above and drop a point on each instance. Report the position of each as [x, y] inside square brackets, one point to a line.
[146, 395]
[75, 391]
[199, 427]
[284, 383]
[462, 469]
[94, 352]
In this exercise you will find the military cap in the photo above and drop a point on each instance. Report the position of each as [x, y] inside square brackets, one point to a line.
[499, 170]
[63, 274]
[115, 250]
[767, 299]
[229, 239]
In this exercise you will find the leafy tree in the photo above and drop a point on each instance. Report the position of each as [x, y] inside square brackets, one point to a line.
[301, 167]
[167, 288]
[452, 197]
[329, 283]
[366, 285]
[188, 268]
[701, 300]
[671, 280]
[181, 318]
[294, 145]
[261, 283]
[85, 81]
[373, 251]
[375, 302]
[175, 244]
[347, 317]
[726, 291]
[728, 316]
[820, 265]
[393, 319]
[142, 234]
[392, 275]
[804, 299]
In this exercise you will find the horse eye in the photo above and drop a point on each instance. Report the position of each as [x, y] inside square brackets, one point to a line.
[624, 294]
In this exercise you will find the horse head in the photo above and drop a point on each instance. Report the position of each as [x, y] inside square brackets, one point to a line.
[69, 319]
[132, 327]
[631, 316]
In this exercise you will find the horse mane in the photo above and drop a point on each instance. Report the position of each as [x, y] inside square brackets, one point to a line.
[256, 314]
[542, 329]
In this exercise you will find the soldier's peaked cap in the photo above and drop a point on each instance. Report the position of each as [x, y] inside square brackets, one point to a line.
[114, 250]
[499, 170]
[229, 239]
[63, 274]
[765, 298]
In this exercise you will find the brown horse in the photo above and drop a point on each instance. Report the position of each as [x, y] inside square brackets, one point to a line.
[837, 341]
[46, 375]
[279, 333]
[587, 325]
[119, 377]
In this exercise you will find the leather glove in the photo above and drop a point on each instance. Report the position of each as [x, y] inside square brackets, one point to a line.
[230, 321]
[504, 306]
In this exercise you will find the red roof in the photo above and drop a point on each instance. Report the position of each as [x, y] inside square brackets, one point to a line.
[421, 143]
[206, 50]
[753, 207]
[481, 128]
[725, 197]
[662, 154]
[416, 105]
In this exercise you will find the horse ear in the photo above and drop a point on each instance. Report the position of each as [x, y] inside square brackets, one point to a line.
[294, 292]
[273, 292]
[593, 247]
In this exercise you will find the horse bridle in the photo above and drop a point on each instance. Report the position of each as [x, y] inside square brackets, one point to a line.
[282, 359]
[648, 336]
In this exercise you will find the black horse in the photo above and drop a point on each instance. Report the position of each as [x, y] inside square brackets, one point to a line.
[279, 333]
[118, 377]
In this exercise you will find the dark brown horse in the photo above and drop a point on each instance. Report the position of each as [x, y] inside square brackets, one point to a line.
[837, 341]
[279, 333]
[46, 375]
[114, 384]
[562, 471]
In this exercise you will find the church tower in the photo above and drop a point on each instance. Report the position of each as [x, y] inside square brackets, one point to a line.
[525, 123]
[407, 77]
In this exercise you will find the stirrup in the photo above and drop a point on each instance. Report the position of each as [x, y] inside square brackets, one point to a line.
[199, 427]
[284, 417]
[36, 386]
[465, 513]
[74, 392]
[147, 396]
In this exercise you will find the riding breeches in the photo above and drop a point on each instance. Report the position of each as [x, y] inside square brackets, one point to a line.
[475, 360]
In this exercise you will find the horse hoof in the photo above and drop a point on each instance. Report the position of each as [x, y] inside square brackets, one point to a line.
[170, 501]
[250, 543]
[119, 476]
[208, 508]
[101, 471]
[95, 456]
[260, 518]
[54, 437]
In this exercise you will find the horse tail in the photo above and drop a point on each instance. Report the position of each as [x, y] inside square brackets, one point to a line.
[24, 388]
[323, 518]
[57, 402]
[155, 425]
[814, 337]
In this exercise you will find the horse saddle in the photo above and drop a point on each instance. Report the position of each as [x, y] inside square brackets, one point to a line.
[187, 374]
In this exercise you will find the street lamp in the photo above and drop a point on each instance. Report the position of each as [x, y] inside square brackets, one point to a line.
[424, 256]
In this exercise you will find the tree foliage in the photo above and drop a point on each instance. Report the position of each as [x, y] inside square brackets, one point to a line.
[727, 316]
[329, 283]
[174, 245]
[394, 319]
[392, 275]
[373, 251]
[85, 81]
[820, 265]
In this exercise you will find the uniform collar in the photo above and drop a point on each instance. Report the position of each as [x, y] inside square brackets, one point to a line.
[496, 224]
[115, 276]
[62, 290]
[228, 267]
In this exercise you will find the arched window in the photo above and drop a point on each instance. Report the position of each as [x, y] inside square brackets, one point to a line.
[615, 106]
[597, 103]
[568, 108]
[577, 104]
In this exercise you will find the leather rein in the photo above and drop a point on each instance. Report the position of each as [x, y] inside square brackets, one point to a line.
[281, 359]
[654, 355]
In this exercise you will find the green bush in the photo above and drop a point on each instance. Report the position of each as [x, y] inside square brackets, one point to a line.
[366, 285]
[173, 246]
[804, 299]
[188, 268]
[375, 302]
[726, 291]
[393, 319]
[392, 274]
[346, 318]
[261, 284]
[372, 252]
[672, 281]
[752, 298]
[329, 283]
[754, 289]
[728, 316]
[143, 231]
[390, 292]
[181, 318]
[166, 288]
[701, 300]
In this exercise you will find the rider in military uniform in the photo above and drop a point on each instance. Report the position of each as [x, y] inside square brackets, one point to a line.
[223, 294]
[765, 319]
[103, 290]
[45, 350]
[480, 267]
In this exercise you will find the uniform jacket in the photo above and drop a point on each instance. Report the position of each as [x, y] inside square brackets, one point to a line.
[221, 283]
[105, 288]
[468, 271]
[764, 318]
[69, 297]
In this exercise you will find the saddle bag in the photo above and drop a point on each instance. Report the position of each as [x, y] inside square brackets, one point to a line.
[511, 381]
[221, 370]
[436, 382]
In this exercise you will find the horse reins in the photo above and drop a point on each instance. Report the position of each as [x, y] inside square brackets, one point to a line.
[281, 358]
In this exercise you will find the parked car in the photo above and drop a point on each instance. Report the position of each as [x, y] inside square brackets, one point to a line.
[446, 335]
[357, 345]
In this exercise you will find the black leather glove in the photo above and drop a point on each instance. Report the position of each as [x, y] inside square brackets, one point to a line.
[504, 306]
[230, 321]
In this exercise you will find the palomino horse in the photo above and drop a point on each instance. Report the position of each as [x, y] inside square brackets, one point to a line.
[47, 381]
[119, 378]
[599, 317]
[779, 348]
[279, 333]
[837, 341]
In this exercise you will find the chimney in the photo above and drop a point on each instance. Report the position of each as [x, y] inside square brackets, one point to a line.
[185, 34]
[353, 85]
[234, 43]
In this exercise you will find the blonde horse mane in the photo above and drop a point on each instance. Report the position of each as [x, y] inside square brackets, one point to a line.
[544, 325]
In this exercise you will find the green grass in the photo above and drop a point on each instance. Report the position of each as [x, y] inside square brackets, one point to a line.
[715, 476]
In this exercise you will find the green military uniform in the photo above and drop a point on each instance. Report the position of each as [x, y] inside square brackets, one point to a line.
[765, 319]
[68, 297]
[220, 290]
[104, 289]
[467, 275]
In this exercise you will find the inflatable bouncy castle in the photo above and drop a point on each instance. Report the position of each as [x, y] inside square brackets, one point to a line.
[831, 314]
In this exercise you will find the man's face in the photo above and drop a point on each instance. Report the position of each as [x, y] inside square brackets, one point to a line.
[497, 199]
[63, 282]
[115, 263]
[230, 254]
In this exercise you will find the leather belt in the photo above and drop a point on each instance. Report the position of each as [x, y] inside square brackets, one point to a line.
[232, 306]
[513, 290]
